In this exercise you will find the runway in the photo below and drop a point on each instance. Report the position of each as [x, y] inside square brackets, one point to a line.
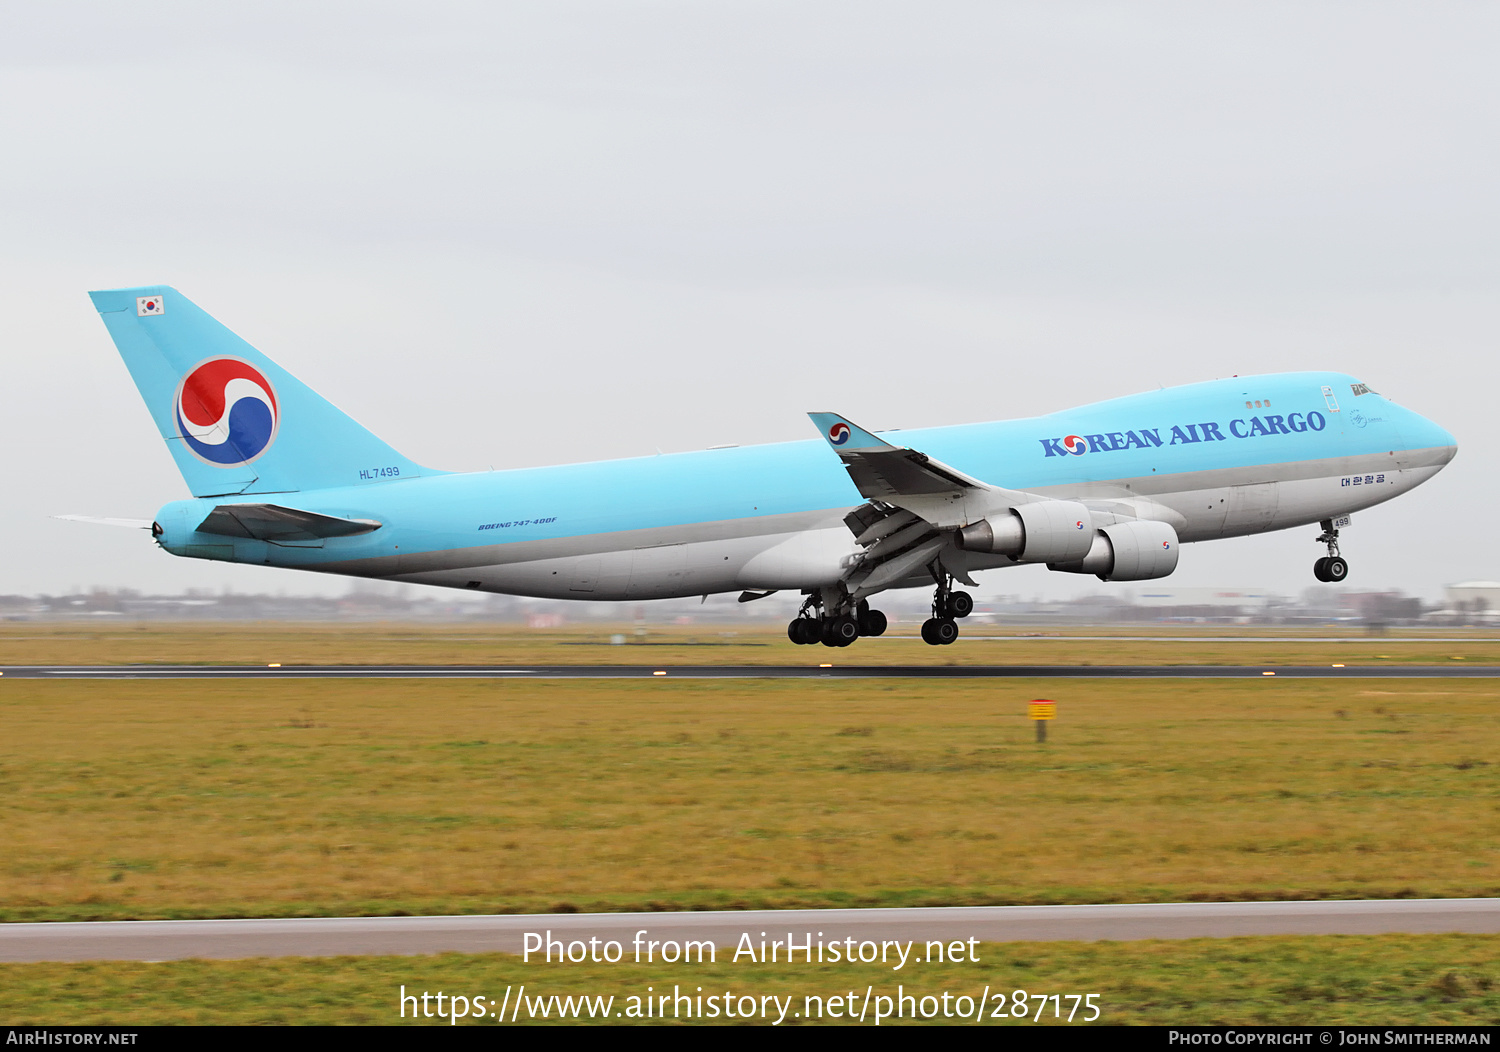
[340, 936]
[809, 671]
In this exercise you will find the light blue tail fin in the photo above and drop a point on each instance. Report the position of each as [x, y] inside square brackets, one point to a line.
[235, 421]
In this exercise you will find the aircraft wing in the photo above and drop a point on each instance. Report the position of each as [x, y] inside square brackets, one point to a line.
[915, 504]
[880, 470]
[272, 522]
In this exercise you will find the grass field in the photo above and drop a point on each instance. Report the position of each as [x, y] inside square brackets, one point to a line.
[26, 643]
[190, 798]
[133, 799]
[1324, 981]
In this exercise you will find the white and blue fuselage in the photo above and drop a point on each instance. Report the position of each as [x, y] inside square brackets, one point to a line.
[1219, 459]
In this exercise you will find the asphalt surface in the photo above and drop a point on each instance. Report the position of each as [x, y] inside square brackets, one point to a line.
[810, 671]
[339, 936]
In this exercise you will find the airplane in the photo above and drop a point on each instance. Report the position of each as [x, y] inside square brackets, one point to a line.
[280, 477]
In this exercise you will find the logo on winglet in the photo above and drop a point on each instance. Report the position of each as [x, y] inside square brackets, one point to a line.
[226, 412]
[838, 434]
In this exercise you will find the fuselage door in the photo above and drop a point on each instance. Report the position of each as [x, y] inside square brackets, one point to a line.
[1251, 508]
[659, 571]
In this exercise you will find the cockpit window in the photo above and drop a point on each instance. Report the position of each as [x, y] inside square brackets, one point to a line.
[1363, 389]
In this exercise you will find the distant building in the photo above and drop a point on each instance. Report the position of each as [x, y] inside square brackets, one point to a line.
[1474, 598]
[1244, 599]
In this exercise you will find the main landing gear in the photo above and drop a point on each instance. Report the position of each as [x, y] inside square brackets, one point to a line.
[1332, 568]
[947, 607]
[837, 631]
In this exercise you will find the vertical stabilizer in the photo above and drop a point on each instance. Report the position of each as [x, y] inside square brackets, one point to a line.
[235, 421]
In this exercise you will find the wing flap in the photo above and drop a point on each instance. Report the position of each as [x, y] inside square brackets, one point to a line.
[900, 566]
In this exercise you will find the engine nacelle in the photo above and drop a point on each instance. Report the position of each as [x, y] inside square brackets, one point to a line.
[1046, 531]
[1128, 551]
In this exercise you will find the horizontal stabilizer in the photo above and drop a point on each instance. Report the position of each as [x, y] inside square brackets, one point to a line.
[880, 470]
[134, 524]
[272, 522]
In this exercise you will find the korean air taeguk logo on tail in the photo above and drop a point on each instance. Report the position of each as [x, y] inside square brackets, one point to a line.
[838, 434]
[226, 411]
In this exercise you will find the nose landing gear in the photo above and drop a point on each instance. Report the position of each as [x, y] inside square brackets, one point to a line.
[1332, 568]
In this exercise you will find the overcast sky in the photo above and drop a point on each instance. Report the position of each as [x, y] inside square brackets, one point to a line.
[511, 234]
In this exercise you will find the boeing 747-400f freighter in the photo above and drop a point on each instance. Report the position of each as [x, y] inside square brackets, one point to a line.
[282, 478]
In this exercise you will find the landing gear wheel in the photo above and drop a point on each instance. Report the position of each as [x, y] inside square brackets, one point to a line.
[939, 631]
[872, 623]
[840, 631]
[804, 631]
[960, 604]
[1331, 568]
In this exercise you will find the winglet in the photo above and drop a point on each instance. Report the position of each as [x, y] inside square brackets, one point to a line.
[846, 436]
[881, 471]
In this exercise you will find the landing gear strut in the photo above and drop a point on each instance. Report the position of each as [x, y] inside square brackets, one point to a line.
[1332, 568]
[834, 628]
[947, 607]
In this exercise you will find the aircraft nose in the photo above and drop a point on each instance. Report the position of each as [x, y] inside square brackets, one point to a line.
[1422, 433]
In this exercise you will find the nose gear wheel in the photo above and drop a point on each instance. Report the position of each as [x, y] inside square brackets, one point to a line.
[1332, 568]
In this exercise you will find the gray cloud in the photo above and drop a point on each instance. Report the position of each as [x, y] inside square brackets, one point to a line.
[535, 233]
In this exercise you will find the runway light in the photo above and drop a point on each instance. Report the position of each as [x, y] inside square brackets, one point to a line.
[825, 666]
[1268, 673]
[274, 664]
[658, 673]
[1338, 666]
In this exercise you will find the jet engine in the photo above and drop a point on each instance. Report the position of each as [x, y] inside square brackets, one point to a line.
[1046, 531]
[1127, 551]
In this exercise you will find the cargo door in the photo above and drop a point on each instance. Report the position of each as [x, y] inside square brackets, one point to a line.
[1251, 508]
[659, 572]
